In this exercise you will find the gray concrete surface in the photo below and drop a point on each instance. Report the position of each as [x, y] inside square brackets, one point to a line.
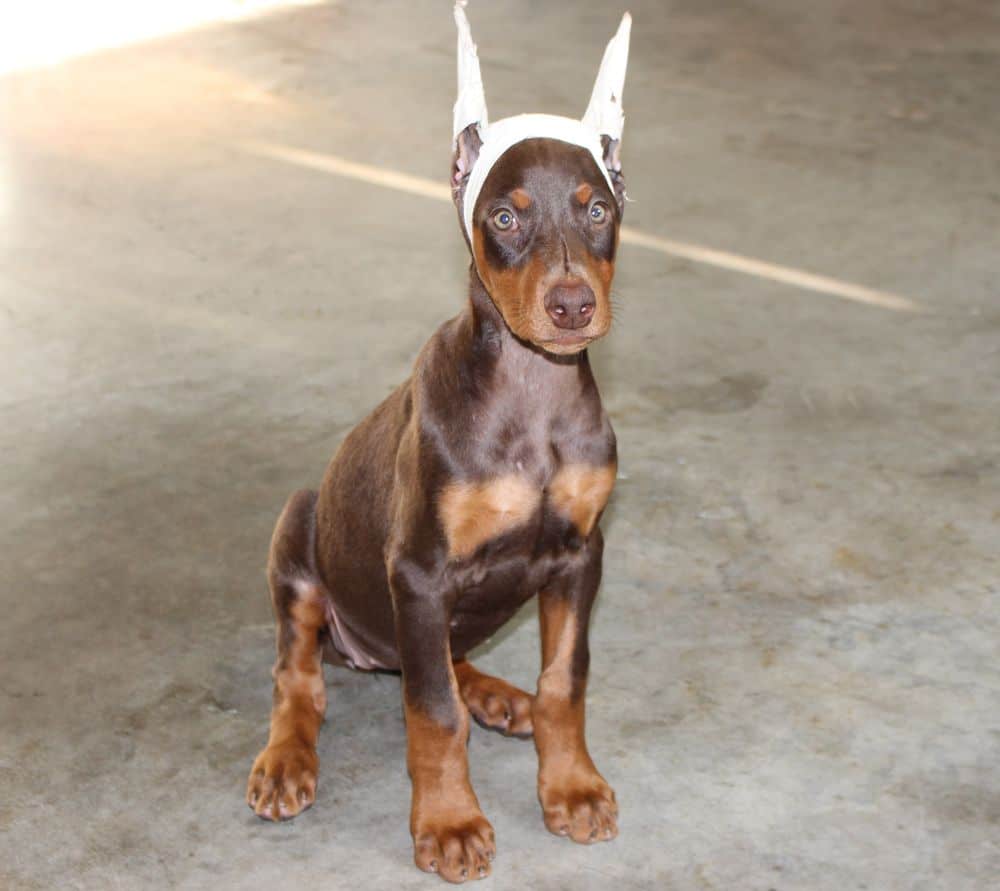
[796, 672]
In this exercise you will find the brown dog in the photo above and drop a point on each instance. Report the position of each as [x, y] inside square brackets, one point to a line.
[477, 484]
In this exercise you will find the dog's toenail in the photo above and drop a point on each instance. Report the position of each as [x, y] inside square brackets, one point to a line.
[433, 866]
[563, 830]
[482, 871]
[464, 873]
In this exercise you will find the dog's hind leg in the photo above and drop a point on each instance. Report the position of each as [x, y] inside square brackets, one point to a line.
[283, 778]
[493, 702]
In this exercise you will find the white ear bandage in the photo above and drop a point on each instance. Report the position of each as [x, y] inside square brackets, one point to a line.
[603, 117]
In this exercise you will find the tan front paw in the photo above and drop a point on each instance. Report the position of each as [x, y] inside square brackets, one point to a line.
[499, 706]
[581, 807]
[457, 848]
[283, 781]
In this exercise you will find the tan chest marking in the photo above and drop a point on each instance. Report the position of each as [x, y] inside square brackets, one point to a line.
[580, 491]
[473, 513]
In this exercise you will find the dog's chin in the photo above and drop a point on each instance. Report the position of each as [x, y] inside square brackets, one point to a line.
[560, 342]
[566, 344]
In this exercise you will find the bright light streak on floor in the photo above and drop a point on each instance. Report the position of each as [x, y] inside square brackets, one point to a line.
[426, 188]
[38, 33]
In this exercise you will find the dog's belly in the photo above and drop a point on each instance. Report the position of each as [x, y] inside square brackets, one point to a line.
[482, 609]
[491, 587]
[505, 574]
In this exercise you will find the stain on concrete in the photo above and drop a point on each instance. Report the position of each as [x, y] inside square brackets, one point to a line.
[853, 561]
[730, 393]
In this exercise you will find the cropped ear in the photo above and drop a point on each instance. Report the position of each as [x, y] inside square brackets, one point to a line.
[467, 146]
[604, 113]
[470, 118]
[613, 163]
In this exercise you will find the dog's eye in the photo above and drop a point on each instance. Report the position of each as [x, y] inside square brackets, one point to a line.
[503, 219]
[598, 212]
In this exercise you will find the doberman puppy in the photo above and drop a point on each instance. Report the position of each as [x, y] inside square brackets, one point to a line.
[475, 485]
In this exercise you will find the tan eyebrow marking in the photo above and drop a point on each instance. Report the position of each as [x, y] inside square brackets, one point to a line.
[521, 199]
[583, 193]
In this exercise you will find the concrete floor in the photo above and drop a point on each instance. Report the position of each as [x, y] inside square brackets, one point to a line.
[796, 670]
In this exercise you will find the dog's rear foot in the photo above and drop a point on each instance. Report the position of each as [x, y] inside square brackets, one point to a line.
[283, 781]
[493, 702]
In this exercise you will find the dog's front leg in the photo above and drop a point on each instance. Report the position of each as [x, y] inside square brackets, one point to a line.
[576, 801]
[450, 834]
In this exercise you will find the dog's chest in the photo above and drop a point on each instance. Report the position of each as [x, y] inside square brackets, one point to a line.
[514, 505]
[506, 536]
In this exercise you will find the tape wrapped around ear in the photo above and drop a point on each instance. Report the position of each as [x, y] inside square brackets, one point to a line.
[603, 118]
[508, 132]
[470, 106]
[604, 112]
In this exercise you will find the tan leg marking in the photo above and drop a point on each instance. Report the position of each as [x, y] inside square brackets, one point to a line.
[580, 491]
[576, 800]
[450, 834]
[283, 778]
[493, 702]
[474, 512]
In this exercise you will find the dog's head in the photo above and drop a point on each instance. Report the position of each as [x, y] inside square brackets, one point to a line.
[540, 199]
[544, 231]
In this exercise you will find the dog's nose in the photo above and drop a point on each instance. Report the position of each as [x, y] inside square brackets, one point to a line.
[570, 306]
